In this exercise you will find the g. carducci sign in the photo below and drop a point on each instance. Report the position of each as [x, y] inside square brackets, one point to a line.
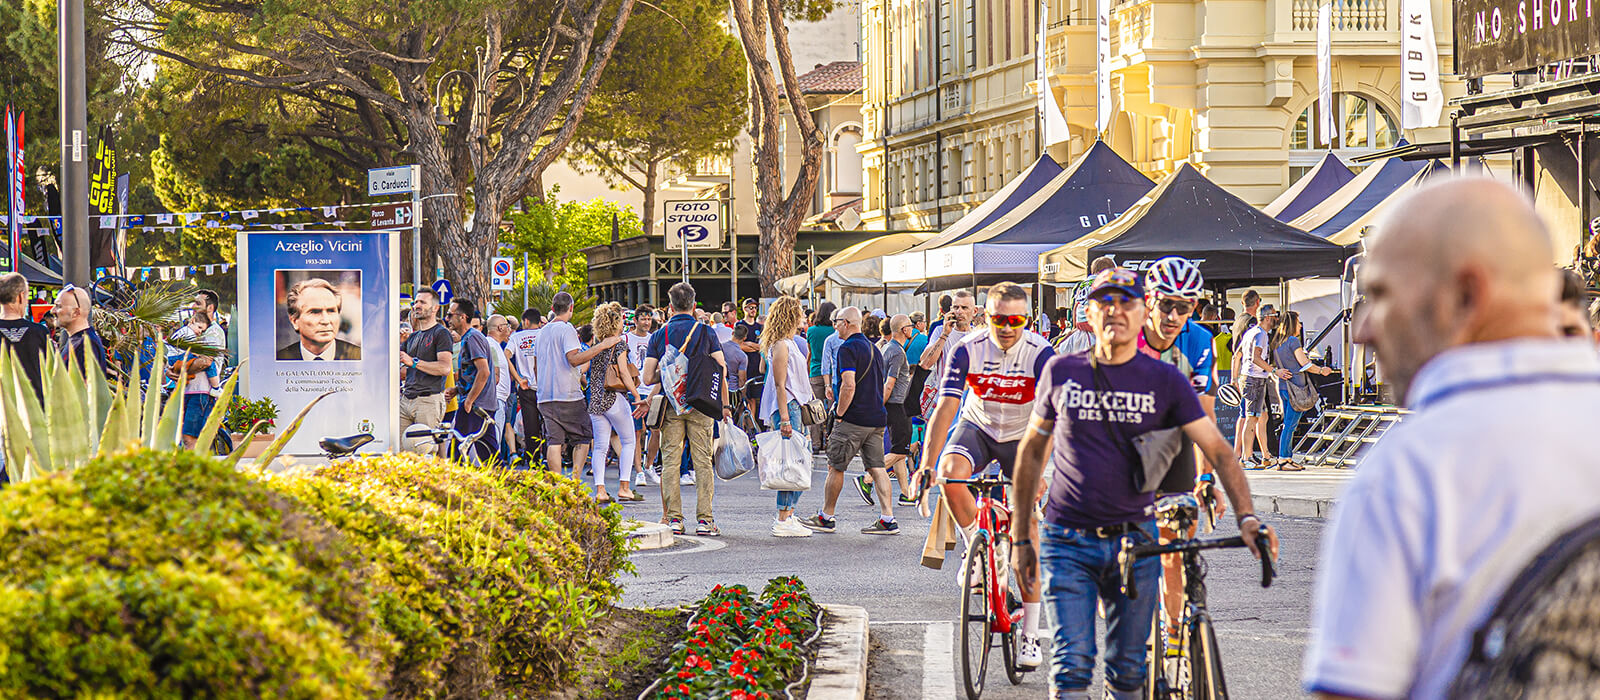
[1501, 36]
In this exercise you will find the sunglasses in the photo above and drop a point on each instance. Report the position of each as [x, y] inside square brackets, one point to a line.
[1167, 306]
[1013, 321]
[1118, 299]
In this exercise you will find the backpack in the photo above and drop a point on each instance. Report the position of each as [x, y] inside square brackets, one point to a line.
[691, 382]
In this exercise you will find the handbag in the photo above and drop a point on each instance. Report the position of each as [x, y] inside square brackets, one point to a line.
[614, 376]
[658, 409]
[814, 412]
[1156, 450]
[1302, 397]
[703, 390]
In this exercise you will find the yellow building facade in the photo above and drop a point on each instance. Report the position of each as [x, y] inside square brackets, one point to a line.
[1228, 85]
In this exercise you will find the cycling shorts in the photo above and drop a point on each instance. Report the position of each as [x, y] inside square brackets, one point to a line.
[968, 440]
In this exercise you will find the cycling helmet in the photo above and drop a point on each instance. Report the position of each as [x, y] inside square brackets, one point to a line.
[1173, 276]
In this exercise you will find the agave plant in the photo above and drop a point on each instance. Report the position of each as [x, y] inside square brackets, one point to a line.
[82, 417]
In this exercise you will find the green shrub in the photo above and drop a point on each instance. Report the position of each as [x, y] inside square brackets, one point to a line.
[157, 574]
[536, 556]
[169, 574]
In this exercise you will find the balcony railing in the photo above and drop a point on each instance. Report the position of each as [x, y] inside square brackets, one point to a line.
[1347, 15]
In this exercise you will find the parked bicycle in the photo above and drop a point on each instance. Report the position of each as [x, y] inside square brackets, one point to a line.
[991, 608]
[452, 443]
[1194, 668]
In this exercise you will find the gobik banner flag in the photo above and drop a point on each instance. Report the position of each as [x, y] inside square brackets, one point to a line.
[16, 192]
[1052, 122]
[103, 201]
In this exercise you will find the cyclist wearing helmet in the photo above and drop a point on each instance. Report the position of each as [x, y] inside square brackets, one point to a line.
[987, 392]
[1080, 338]
[1173, 286]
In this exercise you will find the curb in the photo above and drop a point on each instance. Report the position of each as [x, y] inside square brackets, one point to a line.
[648, 535]
[841, 670]
[1296, 506]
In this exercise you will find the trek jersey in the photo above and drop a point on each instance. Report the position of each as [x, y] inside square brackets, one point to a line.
[997, 386]
[1191, 353]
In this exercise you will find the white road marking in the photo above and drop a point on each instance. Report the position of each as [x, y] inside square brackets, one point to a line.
[938, 662]
[701, 544]
[908, 622]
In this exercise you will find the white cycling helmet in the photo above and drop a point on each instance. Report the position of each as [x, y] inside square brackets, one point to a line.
[1080, 302]
[1174, 276]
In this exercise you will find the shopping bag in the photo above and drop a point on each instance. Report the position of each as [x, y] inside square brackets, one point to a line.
[731, 453]
[785, 463]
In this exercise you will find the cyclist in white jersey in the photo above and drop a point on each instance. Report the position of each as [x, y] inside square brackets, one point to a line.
[995, 371]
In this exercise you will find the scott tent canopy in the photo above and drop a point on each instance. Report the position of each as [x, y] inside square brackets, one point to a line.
[1326, 178]
[907, 266]
[857, 267]
[1358, 196]
[1188, 215]
[1091, 192]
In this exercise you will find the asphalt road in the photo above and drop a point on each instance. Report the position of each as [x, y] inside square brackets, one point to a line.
[913, 609]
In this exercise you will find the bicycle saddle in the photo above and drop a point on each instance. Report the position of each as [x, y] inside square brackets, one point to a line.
[1174, 503]
[340, 447]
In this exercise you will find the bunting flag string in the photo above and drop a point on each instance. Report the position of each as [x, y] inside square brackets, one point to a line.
[331, 214]
[168, 272]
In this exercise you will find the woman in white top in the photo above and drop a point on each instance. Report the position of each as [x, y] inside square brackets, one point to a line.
[789, 372]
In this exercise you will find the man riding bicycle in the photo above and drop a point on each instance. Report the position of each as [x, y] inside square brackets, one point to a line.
[995, 371]
[1091, 407]
[1173, 286]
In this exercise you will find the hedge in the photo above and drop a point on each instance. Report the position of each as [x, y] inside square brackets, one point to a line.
[159, 574]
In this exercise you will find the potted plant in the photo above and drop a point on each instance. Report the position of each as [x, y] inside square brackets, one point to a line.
[244, 413]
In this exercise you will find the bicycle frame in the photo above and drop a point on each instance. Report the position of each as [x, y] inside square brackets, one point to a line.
[994, 517]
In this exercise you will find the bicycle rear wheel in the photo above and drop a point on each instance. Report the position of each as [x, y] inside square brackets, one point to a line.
[974, 620]
[1205, 661]
[1009, 641]
[222, 444]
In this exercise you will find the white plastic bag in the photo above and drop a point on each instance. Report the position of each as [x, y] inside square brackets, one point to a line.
[785, 463]
[731, 455]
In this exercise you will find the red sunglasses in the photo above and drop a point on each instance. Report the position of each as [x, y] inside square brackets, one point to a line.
[1014, 321]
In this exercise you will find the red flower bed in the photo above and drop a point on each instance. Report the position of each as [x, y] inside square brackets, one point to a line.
[740, 646]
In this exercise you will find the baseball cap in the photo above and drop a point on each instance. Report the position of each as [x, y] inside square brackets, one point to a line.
[1119, 279]
[750, 300]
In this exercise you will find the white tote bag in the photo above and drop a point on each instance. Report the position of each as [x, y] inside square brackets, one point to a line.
[784, 463]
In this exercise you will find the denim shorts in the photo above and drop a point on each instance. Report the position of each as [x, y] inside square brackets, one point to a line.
[196, 409]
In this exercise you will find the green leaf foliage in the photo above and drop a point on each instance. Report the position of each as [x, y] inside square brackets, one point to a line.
[160, 574]
[552, 233]
[540, 295]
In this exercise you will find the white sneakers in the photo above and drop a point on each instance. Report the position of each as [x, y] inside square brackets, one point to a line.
[789, 528]
[1029, 653]
[686, 479]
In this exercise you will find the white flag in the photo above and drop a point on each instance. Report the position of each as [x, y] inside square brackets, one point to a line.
[1325, 73]
[1421, 99]
[163, 218]
[1051, 120]
[330, 212]
[108, 222]
[191, 218]
[251, 214]
[1102, 69]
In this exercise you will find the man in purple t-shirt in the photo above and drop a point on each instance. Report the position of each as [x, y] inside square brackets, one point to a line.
[1089, 408]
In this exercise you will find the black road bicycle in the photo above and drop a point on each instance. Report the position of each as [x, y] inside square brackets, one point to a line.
[1194, 668]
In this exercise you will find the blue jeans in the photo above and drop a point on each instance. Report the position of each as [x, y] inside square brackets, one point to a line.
[788, 499]
[196, 409]
[1078, 568]
[1291, 418]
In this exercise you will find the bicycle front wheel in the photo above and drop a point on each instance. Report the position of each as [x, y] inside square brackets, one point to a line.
[1205, 661]
[974, 622]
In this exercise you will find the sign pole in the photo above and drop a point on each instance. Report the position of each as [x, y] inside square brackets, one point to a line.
[74, 127]
[524, 281]
[733, 251]
[685, 246]
[416, 229]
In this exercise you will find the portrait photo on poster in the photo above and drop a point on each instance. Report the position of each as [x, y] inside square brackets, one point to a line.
[319, 315]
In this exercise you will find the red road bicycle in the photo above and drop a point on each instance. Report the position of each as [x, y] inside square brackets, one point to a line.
[991, 610]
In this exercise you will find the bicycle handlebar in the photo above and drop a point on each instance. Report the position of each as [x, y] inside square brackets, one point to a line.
[1132, 552]
[445, 431]
[979, 481]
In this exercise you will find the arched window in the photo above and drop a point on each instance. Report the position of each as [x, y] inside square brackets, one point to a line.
[1361, 126]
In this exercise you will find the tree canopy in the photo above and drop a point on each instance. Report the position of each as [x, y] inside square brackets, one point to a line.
[551, 233]
[675, 95]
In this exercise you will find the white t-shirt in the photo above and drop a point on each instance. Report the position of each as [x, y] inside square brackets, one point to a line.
[1448, 509]
[502, 386]
[1254, 338]
[213, 337]
[636, 349]
[521, 345]
[558, 379]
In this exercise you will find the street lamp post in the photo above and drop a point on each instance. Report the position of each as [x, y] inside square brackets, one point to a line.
[73, 87]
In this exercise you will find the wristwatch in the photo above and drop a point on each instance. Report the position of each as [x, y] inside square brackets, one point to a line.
[413, 363]
[1246, 516]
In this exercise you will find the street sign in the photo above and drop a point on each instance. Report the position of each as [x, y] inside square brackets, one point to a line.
[694, 223]
[442, 286]
[397, 215]
[396, 180]
[500, 274]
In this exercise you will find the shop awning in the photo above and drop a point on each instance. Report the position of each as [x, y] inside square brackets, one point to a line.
[908, 266]
[1326, 178]
[1188, 215]
[1357, 197]
[856, 267]
[1470, 148]
[1090, 193]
